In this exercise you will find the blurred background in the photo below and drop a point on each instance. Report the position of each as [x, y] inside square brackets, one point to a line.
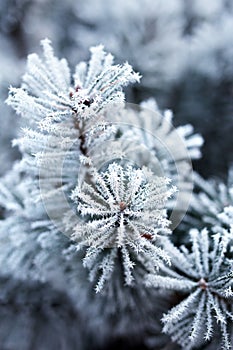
[182, 48]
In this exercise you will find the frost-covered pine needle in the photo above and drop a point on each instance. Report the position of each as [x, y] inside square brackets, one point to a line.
[203, 277]
[123, 210]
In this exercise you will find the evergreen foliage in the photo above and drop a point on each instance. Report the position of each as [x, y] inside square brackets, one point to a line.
[203, 277]
[91, 212]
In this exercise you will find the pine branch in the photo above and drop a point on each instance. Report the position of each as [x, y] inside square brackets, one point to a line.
[205, 280]
[122, 209]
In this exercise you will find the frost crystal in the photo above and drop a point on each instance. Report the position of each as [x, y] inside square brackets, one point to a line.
[86, 212]
[123, 208]
[65, 118]
[60, 112]
[204, 278]
[149, 138]
[210, 199]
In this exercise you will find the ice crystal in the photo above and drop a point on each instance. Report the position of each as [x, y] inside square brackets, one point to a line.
[65, 119]
[209, 200]
[203, 278]
[123, 209]
[149, 138]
